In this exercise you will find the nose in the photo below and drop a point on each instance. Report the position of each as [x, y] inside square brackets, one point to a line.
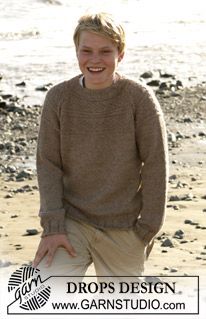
[95, 58]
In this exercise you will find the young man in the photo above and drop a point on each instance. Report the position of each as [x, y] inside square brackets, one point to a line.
[101, 162]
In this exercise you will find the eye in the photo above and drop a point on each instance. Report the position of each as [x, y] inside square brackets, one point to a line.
[86, 51]
[106, 51]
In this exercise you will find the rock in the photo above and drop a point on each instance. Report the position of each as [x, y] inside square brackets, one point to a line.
[202, 134]
[21, 84]
[146, 75]
[3, 105]
[187, 120]
[44, 88]
[179, 234]
[8, 196]
[179, 135]
[153, 83]
[173, 177]
[18, 126]
[188, 221]
[181, 185]
[164, 86]
[171, 137]
[25, 188]
[187, 197]
[31, 232]
[167, 243]
[166, 75]
[1, 76]
[179, 84]
[14, 216]
[174, 198]
[204, 210]
[152, 279]
[10, 169]
[25, 174]
[183, 241]
[173, 270]
[6, 96]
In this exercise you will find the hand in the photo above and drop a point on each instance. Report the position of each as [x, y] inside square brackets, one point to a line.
[48, 246]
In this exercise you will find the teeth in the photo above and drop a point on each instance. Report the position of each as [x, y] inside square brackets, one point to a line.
[95, 69]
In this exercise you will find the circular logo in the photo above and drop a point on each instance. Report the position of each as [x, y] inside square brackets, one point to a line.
[28, 288]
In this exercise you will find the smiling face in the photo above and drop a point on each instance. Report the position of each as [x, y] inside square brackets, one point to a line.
[98, 58]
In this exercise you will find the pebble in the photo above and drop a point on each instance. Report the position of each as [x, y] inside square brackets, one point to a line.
[166, 75]
[8, 196]
[173, 270]
[146, 75]
[25, 188]
[24, 174]
[179, 234]
[171, 137]
[167, 243]
[153, 83]
[202, 134]
[173, 177]
[187, 120]
[31, 232]
[187, 197]
[44, 88]
[190, 222]
[23, 83]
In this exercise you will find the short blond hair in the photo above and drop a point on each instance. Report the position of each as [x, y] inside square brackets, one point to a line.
[104, 24]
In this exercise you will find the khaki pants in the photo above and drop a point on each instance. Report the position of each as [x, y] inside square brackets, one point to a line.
[114, 252]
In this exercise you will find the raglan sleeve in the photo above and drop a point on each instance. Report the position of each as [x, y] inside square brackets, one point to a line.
[151, 139]
[49, 167]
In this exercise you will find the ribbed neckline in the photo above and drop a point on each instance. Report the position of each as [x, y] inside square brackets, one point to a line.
[100, 94]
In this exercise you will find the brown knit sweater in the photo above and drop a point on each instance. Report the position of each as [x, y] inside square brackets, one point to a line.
[102, 158]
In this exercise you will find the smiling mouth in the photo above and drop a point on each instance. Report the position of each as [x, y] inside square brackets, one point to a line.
[95, 69]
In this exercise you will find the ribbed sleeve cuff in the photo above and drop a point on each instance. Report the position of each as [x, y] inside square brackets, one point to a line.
[144, 234]
[53, 222]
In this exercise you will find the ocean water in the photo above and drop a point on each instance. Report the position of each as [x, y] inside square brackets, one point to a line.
[36, 43]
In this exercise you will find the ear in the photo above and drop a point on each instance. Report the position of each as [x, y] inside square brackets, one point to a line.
[120, 57]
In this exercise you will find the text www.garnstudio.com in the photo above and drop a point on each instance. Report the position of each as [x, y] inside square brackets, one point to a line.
[119, 304]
